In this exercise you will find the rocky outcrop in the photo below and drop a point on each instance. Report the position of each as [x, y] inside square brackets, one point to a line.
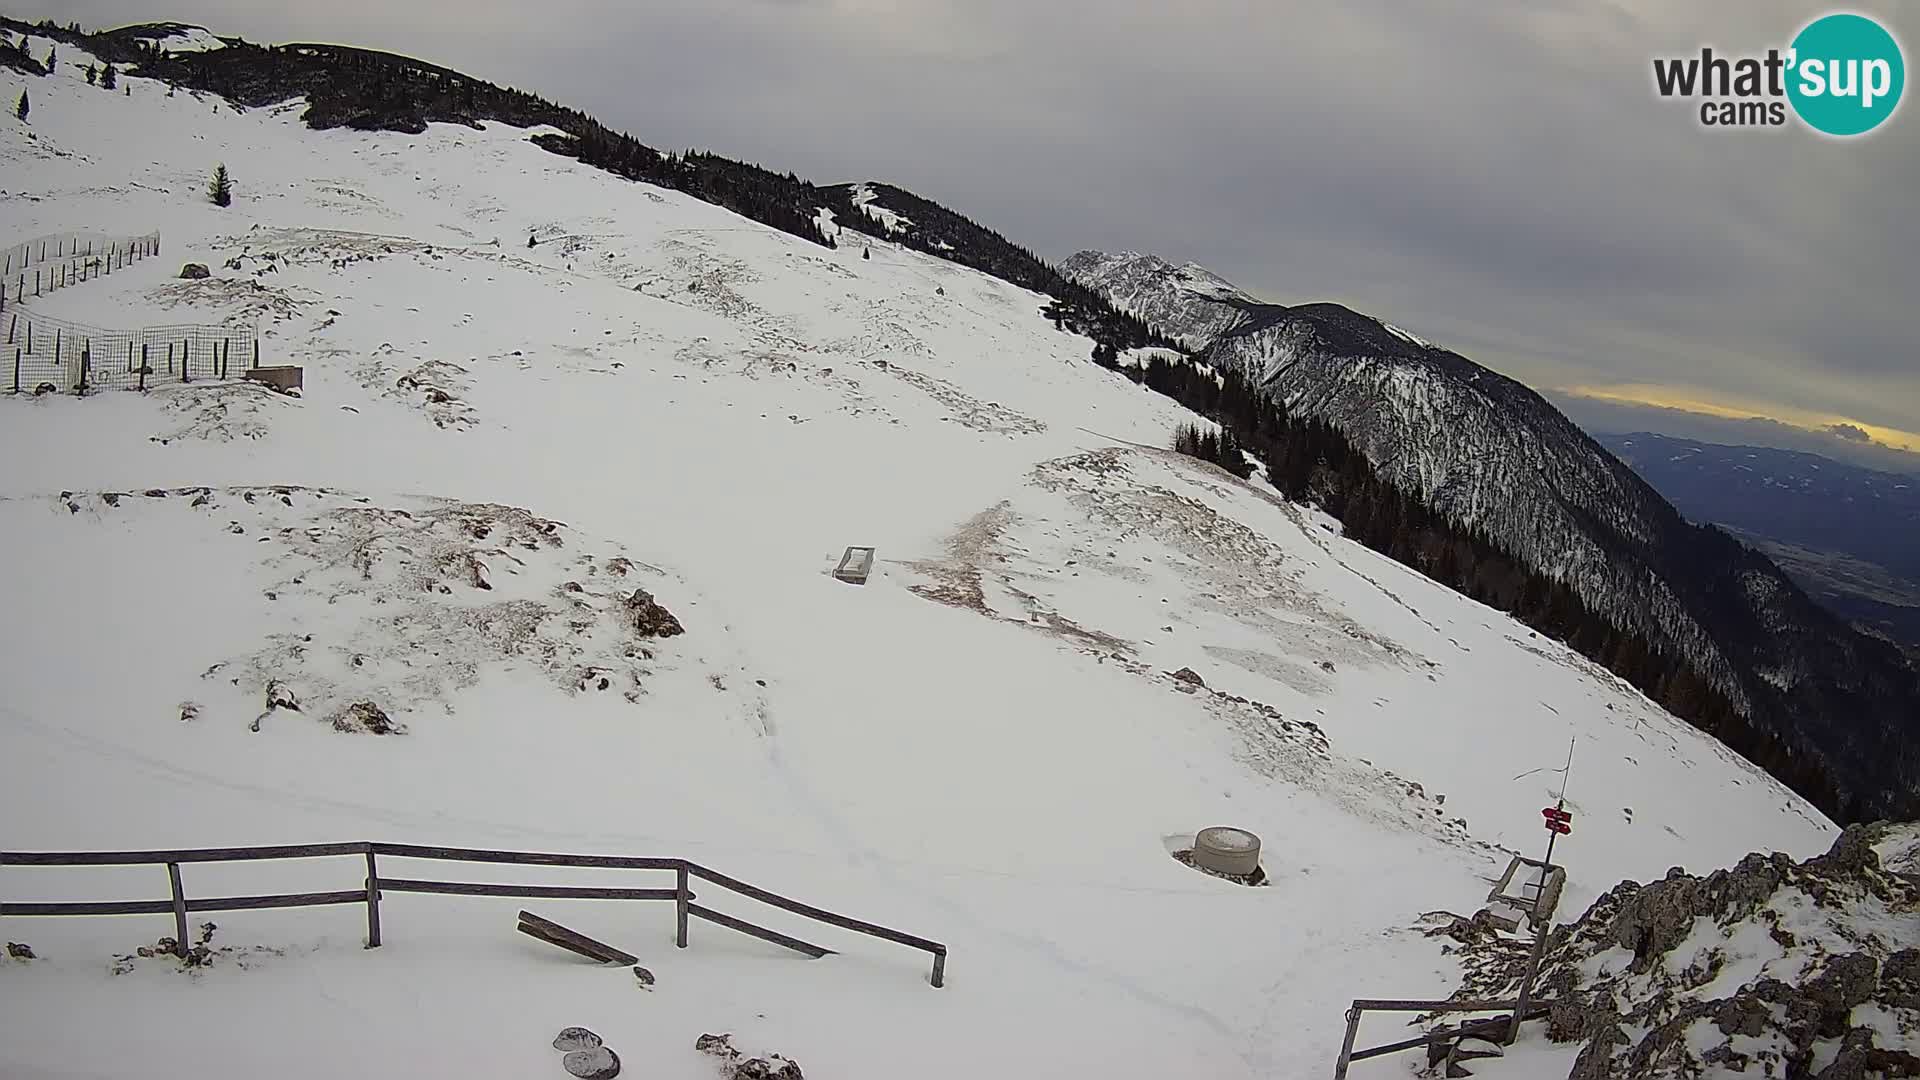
[737, 1066]
[648, 619]
[1828, 973]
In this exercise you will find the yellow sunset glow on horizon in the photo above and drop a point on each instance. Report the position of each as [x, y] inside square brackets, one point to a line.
[1689, 400]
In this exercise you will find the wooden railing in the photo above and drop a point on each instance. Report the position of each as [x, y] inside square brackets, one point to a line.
[371, 889]
[1500, 1028]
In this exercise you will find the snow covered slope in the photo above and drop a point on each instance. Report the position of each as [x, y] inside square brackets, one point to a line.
[1489, 453]
[500, 445]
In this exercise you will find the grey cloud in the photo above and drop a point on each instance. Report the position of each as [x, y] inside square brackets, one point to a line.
[1500, 178]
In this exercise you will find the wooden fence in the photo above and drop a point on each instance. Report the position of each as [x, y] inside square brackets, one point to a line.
[374, 885]
[37, 351]
[43, 265]
[1500, 1029]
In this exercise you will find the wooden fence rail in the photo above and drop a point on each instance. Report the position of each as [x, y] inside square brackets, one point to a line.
[374, 885]
[1501, 1029]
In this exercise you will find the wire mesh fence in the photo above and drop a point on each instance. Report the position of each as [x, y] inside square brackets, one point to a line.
[44, 264]
[45, 355]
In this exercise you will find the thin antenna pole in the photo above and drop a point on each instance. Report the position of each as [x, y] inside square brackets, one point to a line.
[1559, 804]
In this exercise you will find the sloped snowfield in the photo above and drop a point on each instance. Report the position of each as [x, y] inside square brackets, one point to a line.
[500, 445]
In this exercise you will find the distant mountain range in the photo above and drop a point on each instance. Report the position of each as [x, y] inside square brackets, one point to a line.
[1849, 535]
[1494, 456]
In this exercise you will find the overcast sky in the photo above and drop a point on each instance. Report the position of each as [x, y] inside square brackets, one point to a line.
[1497, 177]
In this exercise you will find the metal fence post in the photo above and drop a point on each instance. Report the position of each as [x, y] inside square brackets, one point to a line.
[680, 905]
[373, 901]
[179, 910]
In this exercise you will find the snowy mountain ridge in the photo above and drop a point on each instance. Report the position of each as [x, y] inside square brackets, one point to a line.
[1491, 454]
[546, 409]
[1188, 303]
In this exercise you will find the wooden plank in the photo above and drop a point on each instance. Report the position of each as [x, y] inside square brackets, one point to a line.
[115, 907]
[595, 955]
[1404, 1005]
[811, 912]
[525, 858]
[761, 932]
[576, 892]
[189, 855]
[279, 900]
[572, 940]
[1470, 1029]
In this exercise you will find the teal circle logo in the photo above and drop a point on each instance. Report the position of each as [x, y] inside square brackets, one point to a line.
[1846, 75]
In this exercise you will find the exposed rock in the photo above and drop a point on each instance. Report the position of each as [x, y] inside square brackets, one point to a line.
[737, 1067]
[195, 272]
[19, 951]
[1900, 980]
[280, 696]
[645, 977]
[648, 619]
[597, 1063]
[365, 716]
[1188, 675]
[1797, 1006]
[576, 1038]
[1846, 981]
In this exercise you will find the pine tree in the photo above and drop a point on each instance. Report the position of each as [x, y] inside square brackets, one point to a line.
[93, 75]
[50, 59]
[108, 80]
[221, 189]
[20, 110]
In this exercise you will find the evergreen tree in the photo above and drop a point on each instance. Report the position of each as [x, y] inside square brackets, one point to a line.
[108, 80]
[50, 59]
[221, 189]
[20, 110]
[93, 75]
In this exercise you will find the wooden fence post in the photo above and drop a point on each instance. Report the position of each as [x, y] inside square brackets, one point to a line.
[179, 910]
[256, 351]
[1346, 1048]
[939, 970]
[16, 369]
[680, 905]
[143, 366]
[86, 365]
[373, 901]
